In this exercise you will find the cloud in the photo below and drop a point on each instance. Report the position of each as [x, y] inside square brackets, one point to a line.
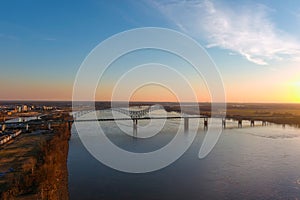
[247, 30]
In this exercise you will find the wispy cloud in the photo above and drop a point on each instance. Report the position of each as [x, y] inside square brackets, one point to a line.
[247, 30]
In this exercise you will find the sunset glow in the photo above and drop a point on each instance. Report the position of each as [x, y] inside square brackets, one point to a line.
[255, 50]
[295, 92]
[153, 93]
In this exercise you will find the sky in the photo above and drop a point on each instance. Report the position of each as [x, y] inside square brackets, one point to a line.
[254, 44]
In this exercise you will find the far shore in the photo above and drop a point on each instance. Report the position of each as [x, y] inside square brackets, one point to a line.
[279, 113]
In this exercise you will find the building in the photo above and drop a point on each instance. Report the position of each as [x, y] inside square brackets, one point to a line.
[47, 108]
[24, 108]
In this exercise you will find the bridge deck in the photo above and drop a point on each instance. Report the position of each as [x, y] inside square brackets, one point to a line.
[139, 118]
[258, 118]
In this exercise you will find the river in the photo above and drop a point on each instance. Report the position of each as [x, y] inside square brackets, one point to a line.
[261, 162]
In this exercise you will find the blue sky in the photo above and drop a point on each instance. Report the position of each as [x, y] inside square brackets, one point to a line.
[42, 43]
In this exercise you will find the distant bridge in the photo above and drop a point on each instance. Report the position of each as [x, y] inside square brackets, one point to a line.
[135, 115]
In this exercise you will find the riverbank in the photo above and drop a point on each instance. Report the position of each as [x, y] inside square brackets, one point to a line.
[34, 165]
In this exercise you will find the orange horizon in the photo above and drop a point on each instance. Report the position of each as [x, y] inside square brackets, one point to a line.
[144, 101]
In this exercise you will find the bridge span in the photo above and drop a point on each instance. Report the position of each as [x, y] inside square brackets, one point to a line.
[136, 115]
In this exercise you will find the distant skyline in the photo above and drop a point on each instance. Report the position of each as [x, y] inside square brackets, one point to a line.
[255, 45]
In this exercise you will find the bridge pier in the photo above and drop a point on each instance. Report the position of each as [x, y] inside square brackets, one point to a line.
[224, 123]
[135, 122]
[240, 123]
[186, 124]
[205, 123]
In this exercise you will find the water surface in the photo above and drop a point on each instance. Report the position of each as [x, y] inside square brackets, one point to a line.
[261, 162]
